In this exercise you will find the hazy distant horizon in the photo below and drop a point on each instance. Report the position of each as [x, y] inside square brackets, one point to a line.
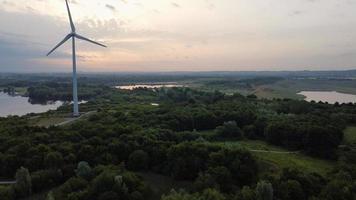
[180, 35]
[178, 72]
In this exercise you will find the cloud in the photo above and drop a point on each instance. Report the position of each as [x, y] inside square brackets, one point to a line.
[110, 7]
[154, 35]
[174, 4]
[297, 13]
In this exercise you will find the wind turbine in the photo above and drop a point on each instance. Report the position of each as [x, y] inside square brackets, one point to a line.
[74, 35]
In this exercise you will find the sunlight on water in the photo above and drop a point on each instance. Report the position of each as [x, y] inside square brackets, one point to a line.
[330, 97]
[132, 87]
[18, 105]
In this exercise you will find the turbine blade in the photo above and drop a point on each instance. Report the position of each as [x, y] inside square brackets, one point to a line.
[59, 44]
[89, 40]
[70, 18]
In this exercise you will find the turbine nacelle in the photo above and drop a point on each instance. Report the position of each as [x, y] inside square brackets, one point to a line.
[74, 35]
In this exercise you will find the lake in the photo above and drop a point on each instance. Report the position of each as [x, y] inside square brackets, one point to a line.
[328, 96]
[18, 105]
[153, 86]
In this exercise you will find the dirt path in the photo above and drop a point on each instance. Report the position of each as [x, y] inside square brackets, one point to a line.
[278, 152]
[7, 182]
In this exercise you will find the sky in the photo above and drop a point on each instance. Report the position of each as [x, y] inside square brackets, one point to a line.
[180, 35]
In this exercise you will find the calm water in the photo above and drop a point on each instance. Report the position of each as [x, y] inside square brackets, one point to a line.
[18, 105]
[330, 97]
[132, 87]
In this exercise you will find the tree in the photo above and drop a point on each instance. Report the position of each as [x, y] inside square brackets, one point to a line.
[229, 130]
[50, 196]
[54, 160]
[246, 194]
[340, 188]
[222, 177]
[84, 170]
[6, 193]
[109, 196]
[264, 191]
[292, 190]
[211, 194]
[186, 160]
[138, 160]
[45, 179]
[181, 195]
[322, 141]
[23, 184]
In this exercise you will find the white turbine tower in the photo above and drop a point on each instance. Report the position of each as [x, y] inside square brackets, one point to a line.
[74, 35]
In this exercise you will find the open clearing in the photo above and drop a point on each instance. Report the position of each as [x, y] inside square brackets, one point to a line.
[58, 119]
[278, 158]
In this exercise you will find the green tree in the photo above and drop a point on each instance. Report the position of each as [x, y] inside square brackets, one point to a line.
[211, 194]
[229, 130]
[6, 193]
[23, 185]
[292, 190]
[264, 191]
[54, 160]
[246, 194]
[138, 160]
[181, 195]
[50, 196]
[109, 196]
[84, 170]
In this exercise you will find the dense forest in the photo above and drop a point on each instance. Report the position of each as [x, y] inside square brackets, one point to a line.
[107, 155]
[51, 91]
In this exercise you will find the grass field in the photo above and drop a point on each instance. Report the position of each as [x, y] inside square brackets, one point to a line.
[47, 122]
[350, 135]
[275, 158]
[56, 118]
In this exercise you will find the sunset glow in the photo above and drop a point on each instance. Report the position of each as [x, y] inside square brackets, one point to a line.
[181, 35]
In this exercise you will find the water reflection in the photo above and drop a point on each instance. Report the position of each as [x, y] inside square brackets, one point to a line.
[153, 86]
[330, 97]
[12, 104]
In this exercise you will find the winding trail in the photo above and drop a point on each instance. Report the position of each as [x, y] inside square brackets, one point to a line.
[7, 182]
[277, 152]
